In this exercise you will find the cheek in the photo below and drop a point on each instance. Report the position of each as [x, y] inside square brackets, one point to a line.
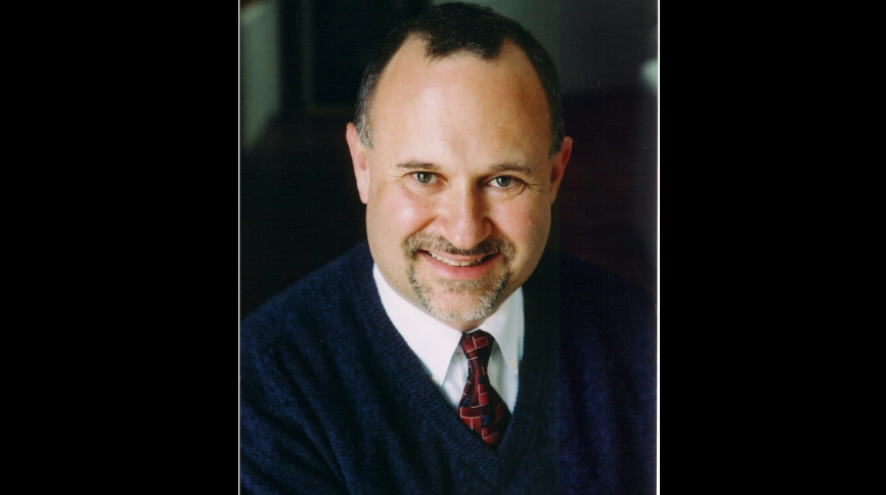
[525, 223]
[402, 213]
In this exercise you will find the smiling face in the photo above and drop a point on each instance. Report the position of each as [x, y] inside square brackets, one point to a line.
[459, 181]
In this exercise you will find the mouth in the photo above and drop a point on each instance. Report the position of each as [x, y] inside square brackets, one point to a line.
[436, 258]
[454, 267]
[460, 261]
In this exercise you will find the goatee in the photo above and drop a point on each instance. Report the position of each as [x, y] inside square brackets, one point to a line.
[485, 293]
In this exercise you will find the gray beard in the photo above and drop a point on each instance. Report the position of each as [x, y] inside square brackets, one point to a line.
[488, 296]
[488, 291]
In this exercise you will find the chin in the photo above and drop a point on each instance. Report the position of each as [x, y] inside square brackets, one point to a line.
[459, 300]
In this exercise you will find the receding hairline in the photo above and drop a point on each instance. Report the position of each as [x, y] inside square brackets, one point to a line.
[429, 56]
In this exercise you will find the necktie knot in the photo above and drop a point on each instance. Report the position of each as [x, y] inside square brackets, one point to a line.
[478, 347]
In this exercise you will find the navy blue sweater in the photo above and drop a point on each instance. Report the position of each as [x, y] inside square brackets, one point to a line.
[333, 400]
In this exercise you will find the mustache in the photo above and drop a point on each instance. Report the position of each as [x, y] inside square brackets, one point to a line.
[425, 242]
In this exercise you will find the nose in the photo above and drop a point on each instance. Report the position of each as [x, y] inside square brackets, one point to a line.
[462, 217]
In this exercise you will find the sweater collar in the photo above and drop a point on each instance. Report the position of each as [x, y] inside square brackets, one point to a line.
[538, 378]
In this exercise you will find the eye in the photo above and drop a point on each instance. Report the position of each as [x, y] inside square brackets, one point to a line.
[425, 177]
[503, 181]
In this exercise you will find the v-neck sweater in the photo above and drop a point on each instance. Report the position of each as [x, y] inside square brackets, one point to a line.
[333, 400]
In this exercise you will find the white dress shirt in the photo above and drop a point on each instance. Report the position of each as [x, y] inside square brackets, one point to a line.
[437, 345]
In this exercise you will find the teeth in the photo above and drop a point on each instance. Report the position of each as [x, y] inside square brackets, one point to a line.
[456, 263]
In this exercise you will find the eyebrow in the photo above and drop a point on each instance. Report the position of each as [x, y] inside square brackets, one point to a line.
[501, 167]
[414, 165]
[515, 167]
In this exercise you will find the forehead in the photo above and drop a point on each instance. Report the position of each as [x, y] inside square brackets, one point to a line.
[460, 97]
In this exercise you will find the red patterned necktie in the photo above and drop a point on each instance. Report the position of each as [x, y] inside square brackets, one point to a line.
[481, 408]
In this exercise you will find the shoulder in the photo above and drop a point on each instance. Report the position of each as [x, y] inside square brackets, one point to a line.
[322, 306]
[608, 363]
[605, 315]
[582, 289]
[295, 349]
[309, 339]
[585, 286]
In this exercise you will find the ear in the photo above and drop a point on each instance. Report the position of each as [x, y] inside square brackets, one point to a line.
[361, 166]
[559, 166]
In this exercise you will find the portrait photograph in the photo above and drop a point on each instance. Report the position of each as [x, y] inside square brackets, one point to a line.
[449, 246]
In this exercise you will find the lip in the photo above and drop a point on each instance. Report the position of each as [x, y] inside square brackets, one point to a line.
[472, 271]
[456, 260]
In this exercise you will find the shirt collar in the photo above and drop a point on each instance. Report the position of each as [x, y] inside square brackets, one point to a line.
[434, 342]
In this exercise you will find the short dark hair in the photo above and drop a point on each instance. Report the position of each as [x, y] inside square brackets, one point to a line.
[457, 27]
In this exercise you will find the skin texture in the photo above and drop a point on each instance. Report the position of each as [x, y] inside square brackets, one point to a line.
[460, 169]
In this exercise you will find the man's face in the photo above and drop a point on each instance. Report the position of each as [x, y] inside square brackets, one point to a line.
[459, 181]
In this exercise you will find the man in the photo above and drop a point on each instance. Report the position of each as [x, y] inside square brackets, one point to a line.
[446, 354]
